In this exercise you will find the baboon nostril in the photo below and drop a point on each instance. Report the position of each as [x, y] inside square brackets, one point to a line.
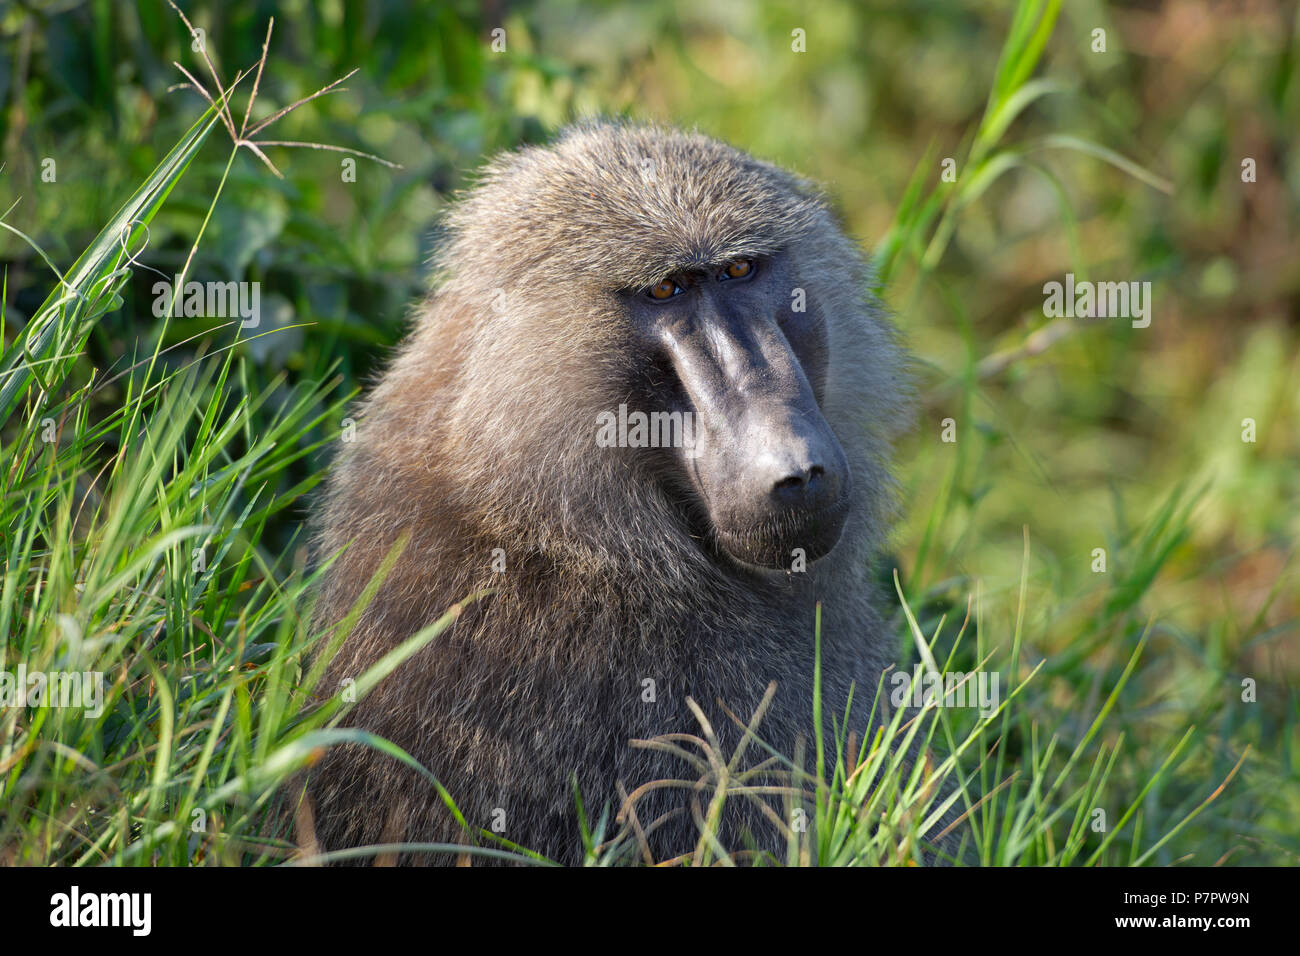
[800, 487]
[790, 483]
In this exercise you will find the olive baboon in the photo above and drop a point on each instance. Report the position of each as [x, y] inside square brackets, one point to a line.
[627, 274]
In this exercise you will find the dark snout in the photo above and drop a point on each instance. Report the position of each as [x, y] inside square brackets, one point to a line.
[772, 473]
[777, 481]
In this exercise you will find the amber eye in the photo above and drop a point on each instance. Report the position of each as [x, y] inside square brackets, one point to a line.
[738, 269]
[664, 290]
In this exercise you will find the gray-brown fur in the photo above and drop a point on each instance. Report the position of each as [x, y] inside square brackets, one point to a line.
[479, 436]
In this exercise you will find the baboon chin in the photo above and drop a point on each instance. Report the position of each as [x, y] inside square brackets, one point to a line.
[649, 408]
[775, 548]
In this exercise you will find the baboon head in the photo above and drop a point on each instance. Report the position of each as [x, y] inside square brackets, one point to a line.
[688, 321]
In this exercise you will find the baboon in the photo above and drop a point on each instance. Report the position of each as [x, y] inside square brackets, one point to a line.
[627, 273]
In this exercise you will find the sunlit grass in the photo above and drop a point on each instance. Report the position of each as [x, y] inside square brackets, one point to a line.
[134, 542]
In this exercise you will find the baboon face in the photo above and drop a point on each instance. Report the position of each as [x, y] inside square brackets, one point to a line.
[665, 273]
[729, 351]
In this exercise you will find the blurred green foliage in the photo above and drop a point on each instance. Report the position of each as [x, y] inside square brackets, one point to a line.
[1111, 437]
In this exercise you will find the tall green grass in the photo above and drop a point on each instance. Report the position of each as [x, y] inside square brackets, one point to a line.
[132, 543]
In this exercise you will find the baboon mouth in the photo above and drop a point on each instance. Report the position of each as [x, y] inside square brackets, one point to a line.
[780, 542]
